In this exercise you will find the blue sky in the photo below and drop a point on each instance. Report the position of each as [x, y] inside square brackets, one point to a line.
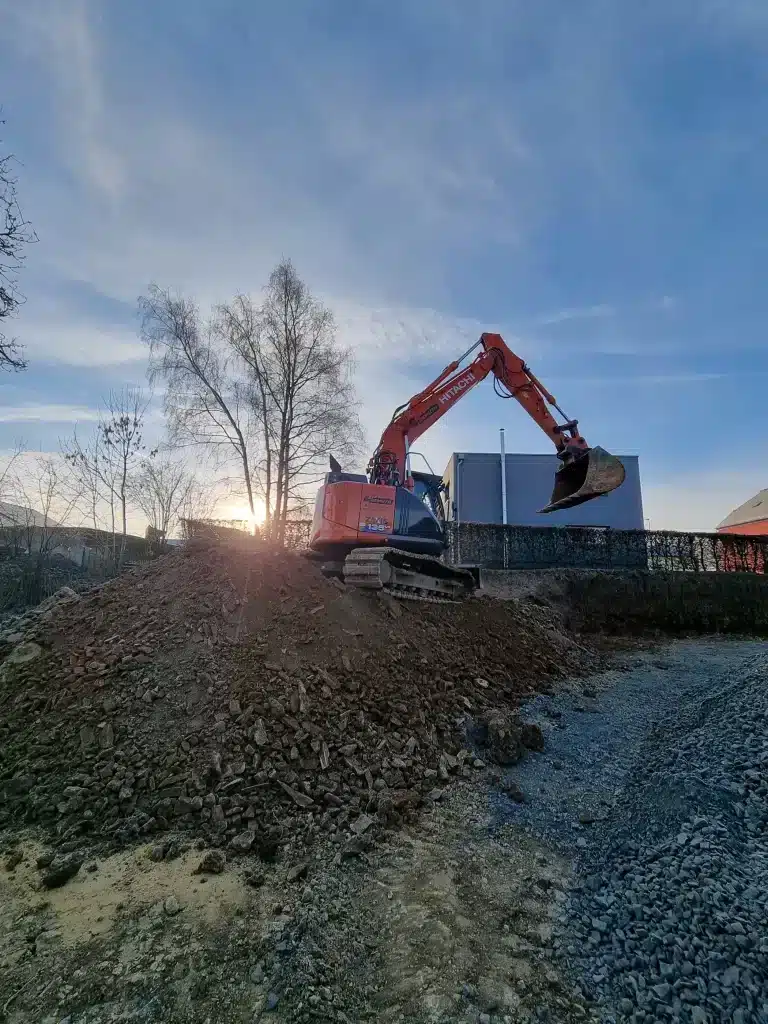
[586, 178]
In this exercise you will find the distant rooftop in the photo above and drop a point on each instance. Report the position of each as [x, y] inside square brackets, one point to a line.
[752, 511]
[17, 515]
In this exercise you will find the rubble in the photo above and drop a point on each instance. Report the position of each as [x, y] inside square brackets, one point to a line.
[245, 699]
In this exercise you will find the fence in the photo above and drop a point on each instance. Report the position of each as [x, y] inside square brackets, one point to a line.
[536, 547]
[546, 547]
[297, 531]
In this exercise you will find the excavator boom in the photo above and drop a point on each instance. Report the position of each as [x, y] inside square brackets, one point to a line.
[374, 529]
[584, 473]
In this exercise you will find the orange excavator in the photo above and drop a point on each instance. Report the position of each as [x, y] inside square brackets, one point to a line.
[376, 532]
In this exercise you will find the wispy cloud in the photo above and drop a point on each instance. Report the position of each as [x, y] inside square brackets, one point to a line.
[43, 413]
[646, 378]
[584, 313]
[84, 344]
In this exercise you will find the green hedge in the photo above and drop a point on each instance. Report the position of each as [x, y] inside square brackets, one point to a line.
[674, 602]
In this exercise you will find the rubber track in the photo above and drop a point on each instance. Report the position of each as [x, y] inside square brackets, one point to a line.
[373, 558]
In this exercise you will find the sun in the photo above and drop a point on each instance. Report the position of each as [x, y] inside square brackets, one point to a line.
[243, 513]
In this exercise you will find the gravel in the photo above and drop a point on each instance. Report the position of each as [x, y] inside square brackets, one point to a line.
[658, 787]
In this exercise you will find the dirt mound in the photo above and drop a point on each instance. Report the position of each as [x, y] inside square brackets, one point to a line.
[240, 696]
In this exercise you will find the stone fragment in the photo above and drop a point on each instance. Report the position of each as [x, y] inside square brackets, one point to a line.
[243, 842]
[300, 799]
[61, 871]
[213, 863]
[298, 871]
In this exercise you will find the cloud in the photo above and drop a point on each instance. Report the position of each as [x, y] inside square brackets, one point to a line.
[646, 378]
[585, 313]
[62, 37]
[43, 413]
[80, 344]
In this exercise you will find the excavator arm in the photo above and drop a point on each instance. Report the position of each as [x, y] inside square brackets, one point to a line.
[584, 473]
[376, 533]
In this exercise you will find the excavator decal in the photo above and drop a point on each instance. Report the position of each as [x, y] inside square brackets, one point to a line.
[461, 384]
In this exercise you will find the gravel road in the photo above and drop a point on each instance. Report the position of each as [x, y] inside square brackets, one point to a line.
[655, 781]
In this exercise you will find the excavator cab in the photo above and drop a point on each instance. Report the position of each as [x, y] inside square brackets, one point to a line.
[584, 477]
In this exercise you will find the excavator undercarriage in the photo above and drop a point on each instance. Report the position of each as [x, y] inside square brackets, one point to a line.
[405, 574]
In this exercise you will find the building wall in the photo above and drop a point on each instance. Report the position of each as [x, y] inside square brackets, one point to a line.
[756, 529]
[474, 493]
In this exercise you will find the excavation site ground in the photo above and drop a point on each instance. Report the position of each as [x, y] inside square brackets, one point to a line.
[232, 790]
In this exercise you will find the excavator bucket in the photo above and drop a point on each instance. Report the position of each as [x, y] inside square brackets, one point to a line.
[596, 472]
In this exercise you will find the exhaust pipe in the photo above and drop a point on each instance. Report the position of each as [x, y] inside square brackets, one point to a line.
[595, 473]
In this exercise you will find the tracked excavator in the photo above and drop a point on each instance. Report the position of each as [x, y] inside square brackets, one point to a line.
[386, 530]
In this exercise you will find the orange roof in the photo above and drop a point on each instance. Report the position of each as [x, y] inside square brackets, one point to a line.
[751, 511]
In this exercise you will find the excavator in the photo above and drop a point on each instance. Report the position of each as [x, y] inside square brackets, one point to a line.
[375, 531]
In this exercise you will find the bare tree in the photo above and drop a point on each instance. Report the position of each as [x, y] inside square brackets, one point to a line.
[15, 235]
[103, 465]
[308, 376]
[45, 503]
[268, 383]
[205, 401]
[240, 325]
[6, 474]
[165, 490]
[121, 433]
[96, 475]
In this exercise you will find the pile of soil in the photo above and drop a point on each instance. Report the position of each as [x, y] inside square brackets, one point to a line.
[241, 697]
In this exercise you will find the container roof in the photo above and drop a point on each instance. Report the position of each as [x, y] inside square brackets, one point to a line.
[752, 511]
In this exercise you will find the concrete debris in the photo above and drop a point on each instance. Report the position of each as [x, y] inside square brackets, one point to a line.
[165, 703]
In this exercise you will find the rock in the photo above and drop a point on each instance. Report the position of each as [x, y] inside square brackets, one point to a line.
[504, 738]
[171, 906]
[61, 871]
[259, 734]
[213, 863]
[14, 858]
[298, 871]
[586, 818]
[514, 792]
[532, 736]
[45, 859]
[23, 654]
[300, 799]
[105, 735]
[19, 785]
[362, 824]
[242, 842]
[157, 853]
[87, 737]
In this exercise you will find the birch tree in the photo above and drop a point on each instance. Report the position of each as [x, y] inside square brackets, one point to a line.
[308, 378]
[205, 401]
